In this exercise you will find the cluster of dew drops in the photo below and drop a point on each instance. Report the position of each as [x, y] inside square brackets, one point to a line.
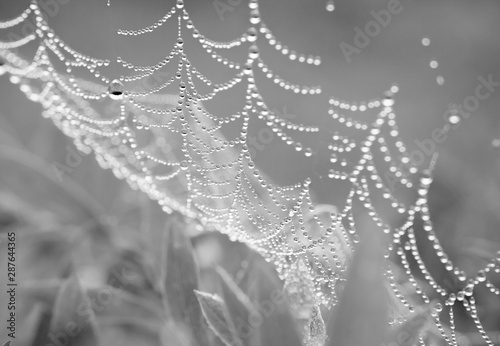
[426, 42]
[116, 87]
[453, 117]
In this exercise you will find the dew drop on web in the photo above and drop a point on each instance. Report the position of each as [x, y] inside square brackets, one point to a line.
[453, 118]
[2, 67]
[115, 89]
[330, 6]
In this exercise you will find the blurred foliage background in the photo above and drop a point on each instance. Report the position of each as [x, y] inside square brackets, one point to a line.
[87, 224]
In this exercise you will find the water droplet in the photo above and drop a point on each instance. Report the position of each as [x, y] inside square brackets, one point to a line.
[15, 79]
[481, 276]
[253, 4]
[184, 165]
[453, 118]
[426, 180]
[253, 52]
[438, 307]
[115, 89]
[440, 80]
[330, 6]
[180, 3]
[308, 152]
[252, 34]
[433, 64]
[2, 68]
[426, 41]
[248, 69]
[255, 17]
[495, 142]
[388, 100]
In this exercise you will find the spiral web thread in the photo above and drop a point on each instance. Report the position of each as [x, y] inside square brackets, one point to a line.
[170, 147]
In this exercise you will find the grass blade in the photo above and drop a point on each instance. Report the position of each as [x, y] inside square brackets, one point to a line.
[180, 280]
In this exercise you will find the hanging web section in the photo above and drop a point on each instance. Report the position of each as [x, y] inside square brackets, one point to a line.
[163, 141]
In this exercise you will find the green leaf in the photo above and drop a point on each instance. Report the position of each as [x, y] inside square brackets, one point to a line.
[180, 280]
[73, 320]
[360, 318]
[217, 316]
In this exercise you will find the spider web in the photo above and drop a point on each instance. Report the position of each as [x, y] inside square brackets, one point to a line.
[168, 145]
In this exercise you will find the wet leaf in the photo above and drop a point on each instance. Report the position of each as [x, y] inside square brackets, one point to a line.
[217, 316]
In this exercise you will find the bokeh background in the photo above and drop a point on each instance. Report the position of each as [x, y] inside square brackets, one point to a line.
[90, 205]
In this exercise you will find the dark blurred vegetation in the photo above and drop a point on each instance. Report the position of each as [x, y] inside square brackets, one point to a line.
[93, 227]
